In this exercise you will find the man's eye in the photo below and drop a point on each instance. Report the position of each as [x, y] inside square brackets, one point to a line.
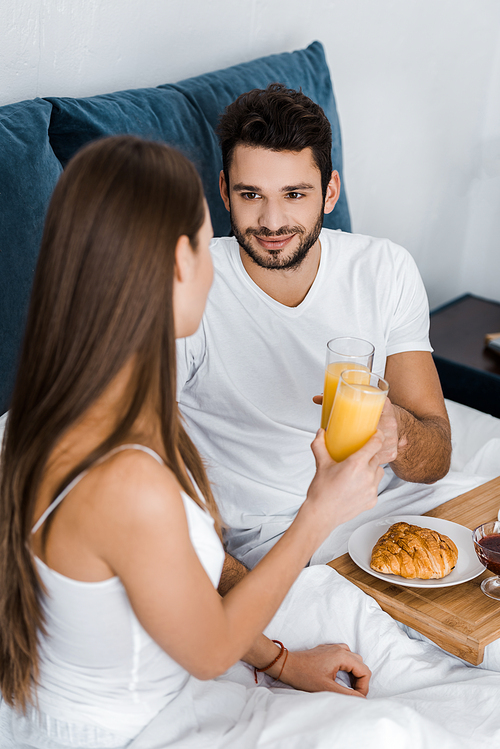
[250, 195]
[294, 195]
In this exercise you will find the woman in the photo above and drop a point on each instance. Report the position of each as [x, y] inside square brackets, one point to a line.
[125, 268]
[110, 553]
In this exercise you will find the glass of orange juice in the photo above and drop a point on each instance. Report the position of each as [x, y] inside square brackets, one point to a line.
[355, 412]
[343, 353]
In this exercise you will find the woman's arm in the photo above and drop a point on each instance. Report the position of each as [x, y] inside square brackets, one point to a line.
[312, 670]
[142, 534]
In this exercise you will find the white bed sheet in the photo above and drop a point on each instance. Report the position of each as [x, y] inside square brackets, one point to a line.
[475, 440]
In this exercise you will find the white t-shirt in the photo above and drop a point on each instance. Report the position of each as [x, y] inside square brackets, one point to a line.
[246, 378]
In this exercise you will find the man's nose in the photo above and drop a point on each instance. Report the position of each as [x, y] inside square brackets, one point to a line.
[272, 215]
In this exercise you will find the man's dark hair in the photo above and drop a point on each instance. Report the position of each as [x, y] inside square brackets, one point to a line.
[280, 119]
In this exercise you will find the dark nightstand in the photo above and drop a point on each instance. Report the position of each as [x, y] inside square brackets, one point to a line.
[469, 372]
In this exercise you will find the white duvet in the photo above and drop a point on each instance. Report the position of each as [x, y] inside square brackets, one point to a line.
[420, 697]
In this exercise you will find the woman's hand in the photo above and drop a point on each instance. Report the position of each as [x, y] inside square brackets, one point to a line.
[341, 491]
[388, 425]
[315, 670]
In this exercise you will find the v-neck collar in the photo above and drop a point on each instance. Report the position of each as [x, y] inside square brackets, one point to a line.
[283, 309]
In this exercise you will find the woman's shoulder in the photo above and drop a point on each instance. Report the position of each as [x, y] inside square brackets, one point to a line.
[131, 487]
[130, 506]
[132, 468]
[120, 510]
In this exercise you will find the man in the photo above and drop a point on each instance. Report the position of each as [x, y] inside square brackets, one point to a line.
[283, 287]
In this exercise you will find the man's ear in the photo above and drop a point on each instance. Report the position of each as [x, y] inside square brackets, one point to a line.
[184, 260]
[223, 187]
[332, 192]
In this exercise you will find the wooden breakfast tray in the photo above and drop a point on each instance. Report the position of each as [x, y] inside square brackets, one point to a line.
[460, 619]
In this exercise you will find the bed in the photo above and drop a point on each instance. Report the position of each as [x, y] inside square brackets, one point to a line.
[37, 138]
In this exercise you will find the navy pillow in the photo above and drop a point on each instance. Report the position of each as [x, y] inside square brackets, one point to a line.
[304, 69]
[152, 113]
[28, 173]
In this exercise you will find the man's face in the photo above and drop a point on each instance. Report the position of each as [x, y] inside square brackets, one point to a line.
[276, 204]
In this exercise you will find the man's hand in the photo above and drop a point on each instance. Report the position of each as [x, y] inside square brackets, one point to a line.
[315, 670]
[388, 425]
[423, 437]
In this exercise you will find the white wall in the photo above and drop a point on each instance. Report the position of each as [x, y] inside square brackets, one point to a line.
[417, 85]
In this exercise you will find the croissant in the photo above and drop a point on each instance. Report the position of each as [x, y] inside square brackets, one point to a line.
[411, 551]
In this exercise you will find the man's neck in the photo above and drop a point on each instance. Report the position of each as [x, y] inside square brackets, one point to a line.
[287, 286]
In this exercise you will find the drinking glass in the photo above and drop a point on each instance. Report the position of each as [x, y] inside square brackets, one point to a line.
[355, 412]
[343, 353]
[486, 539]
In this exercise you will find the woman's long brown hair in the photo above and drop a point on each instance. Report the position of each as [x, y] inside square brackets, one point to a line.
[102, 293]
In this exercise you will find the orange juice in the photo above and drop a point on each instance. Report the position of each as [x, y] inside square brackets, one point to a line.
[332, 374]
[354, 418]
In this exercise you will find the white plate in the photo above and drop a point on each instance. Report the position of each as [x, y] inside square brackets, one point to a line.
[467, 567]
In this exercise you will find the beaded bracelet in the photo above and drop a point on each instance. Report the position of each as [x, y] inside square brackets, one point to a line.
[283, 666]
[266, 668]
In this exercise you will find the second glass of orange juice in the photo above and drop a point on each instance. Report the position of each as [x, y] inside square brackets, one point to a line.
[343, 353]
[355, 413]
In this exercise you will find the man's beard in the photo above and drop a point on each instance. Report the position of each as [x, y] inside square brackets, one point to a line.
[273, 260]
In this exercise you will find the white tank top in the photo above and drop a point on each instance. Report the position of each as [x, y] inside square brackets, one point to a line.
[102, 677]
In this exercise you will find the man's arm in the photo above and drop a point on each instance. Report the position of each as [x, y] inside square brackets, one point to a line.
[415, 421]
[232, 572]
